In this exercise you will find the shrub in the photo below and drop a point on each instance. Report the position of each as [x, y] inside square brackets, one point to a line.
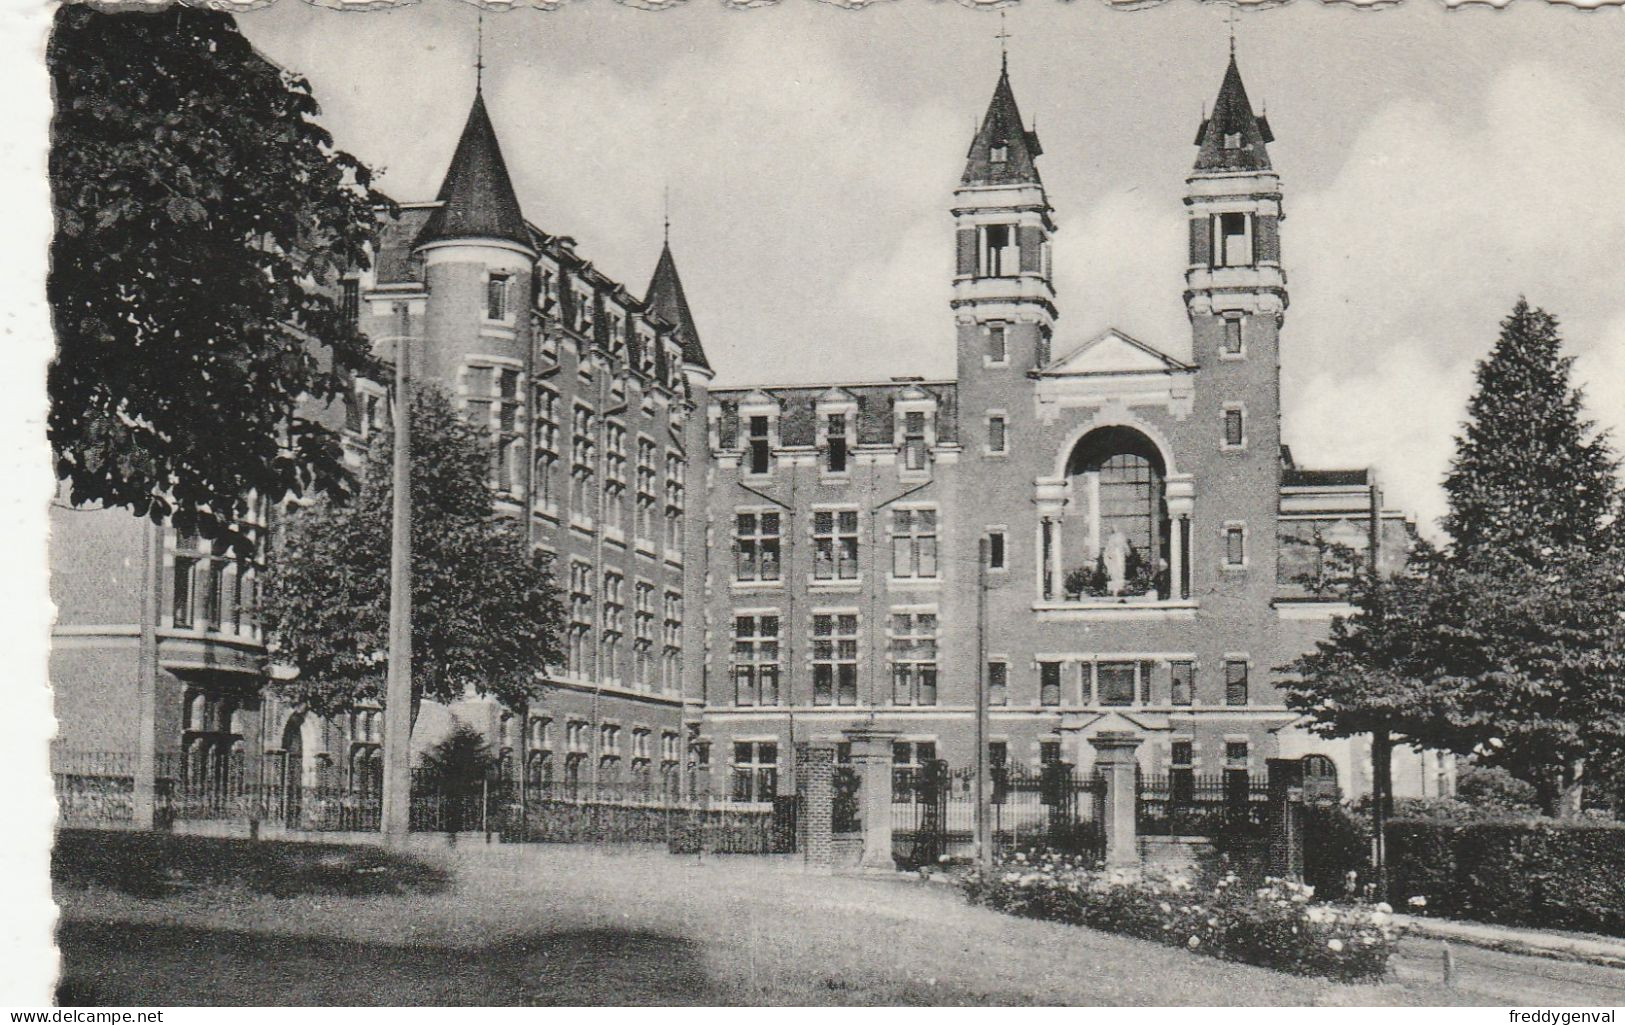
[1493, 788]
[1536, 872]
[1336, 841]
[1275, 925]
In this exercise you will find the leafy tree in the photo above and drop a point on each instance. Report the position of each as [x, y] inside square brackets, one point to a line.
[1493, 789]
[461, 760]
[202, 216]
[486, 616]
[1531, 472]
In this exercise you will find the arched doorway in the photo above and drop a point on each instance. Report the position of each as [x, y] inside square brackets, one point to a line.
[1115, 533]
[293, 771]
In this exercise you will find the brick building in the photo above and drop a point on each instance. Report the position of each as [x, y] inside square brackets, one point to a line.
[750, 567]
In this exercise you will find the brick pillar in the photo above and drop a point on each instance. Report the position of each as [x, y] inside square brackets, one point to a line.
[815, 805]
[1114, 759]
[872, 755]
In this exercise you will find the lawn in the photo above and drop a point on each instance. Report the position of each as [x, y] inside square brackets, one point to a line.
[571, 925]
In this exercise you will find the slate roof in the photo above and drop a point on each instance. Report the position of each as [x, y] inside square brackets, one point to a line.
[876, 415]
[666, 300]
[1002, 125]
[1233, 116]
[477, 198]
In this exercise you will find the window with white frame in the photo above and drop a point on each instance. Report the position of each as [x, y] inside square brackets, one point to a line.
[581, 469]
[671, 665]
[835, 658]
[644, 519]
[914, 542]
[995, 434]
[609, 755]
[756, 659]
[835, 544]
[998, 251]
[643, 634]
[996, 549]
[614, 475]
[913, 644]
[496, 297]
[998, 343]
[547, 447]
[1049, 683]
[1235, 546]
[614, 624]
[761, 446]
[1181, 682]
[1235, 681]
[756, 545]
[916, 449]
[1235, 427]
[998, 682]
[675, 483]
[755, 770]
[836, 443]
[1233, 239]
[578, 653]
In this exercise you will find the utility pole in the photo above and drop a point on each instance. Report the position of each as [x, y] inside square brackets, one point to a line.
[396, 815]
[984, 841]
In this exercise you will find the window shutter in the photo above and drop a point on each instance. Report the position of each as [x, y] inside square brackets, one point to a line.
[1201, 240]
[1032, 239]
[967, 251]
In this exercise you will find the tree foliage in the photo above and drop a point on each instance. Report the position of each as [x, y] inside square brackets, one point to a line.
[202, 216]
[486, 616]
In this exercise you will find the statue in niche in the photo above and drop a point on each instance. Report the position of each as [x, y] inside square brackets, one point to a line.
[1115, 553]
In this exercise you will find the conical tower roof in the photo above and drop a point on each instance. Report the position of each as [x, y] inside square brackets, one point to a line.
[477, 198]
[1002, 127]
[1232, 138]
[665, 299]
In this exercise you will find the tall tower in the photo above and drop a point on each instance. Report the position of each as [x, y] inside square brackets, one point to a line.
[1236, 299]
[1003, 298]
[479, 262]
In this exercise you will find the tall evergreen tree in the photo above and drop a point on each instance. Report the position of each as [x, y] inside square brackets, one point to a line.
[1531, 472]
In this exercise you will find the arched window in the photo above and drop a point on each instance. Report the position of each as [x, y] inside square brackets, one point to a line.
[1117, 521]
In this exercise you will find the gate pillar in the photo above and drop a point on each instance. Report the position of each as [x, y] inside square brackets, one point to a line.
[872, 757]
[1118, 767]
[815, 791]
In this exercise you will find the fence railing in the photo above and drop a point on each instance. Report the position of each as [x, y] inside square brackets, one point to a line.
[684, 827]
[1056, 807]
[1185, 804]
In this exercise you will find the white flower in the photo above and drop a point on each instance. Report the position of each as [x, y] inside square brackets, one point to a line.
[1385, 908]
[1418, 902]
[1194, 942]
[1166, 907]
[1378, 918]
[1335, 945]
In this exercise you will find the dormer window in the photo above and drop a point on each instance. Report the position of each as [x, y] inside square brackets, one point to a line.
[760, 446]
[999, 154]
[496, 297]
[835, 448]
[1232, 140]
[915, 452]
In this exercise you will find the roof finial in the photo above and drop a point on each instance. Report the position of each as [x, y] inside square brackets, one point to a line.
[1004, 56]
[479, 52]
[1231, 18]
[666, 227]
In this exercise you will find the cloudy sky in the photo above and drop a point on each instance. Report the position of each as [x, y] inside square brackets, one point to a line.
[1436, 165]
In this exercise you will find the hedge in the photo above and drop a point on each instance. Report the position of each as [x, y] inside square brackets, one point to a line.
[1542, 872]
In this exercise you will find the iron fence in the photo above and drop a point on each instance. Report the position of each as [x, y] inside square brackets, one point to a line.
[1185, 804]
[684, 827]
[1055, 807]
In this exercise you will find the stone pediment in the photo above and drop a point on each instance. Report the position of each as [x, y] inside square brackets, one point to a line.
[1113, 352]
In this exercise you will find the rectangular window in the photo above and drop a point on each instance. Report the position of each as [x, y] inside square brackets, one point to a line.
[914, 658]
[1234, 435]
[1182, 682]
[999, 251]
[997, 344]
[756, 540]
[835, 443]
[1235, 682]
[755, 771]
[995, 549]
[1235, 754]
[350, 302]
[915, 453]
[1232, 336]
[581, 468]
[1235, 546]
[835, 658]
[496, 297]
[214, 594]
[1049, 752]
[1049, 683]
[643, 524]
[182, 607]
[1182, 771]
[760, 449]
[1116, 682]
[547, 447]
[835, 544]
[756, 660]
[995, 434]
[1181, 754]
[1232, 240]
[914, 543]
[998, 683]
[908, 759]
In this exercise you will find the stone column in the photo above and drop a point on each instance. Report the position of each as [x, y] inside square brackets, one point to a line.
[815, 793]
[872, 757]
[1115, 761]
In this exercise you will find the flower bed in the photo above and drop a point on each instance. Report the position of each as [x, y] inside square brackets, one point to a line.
[1275, 925]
